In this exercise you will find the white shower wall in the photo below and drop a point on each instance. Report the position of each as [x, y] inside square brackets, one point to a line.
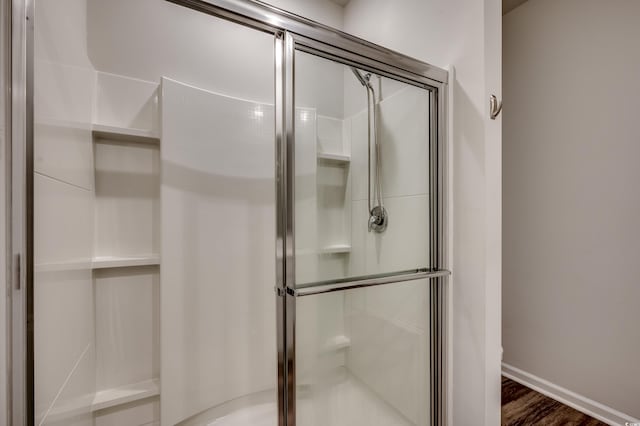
[64, 319]
[218, 233]
[94, 328]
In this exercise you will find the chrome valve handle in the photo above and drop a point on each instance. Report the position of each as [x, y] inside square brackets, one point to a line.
[378, 219]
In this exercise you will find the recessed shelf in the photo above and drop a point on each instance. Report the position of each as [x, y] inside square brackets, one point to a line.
[336, 249]
[337, 343]
[102, 131]
[334, 158]
[125, 394]
[123, 262]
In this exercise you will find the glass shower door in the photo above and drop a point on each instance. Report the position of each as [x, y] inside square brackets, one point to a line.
[156, 224]
[154, 217]
[362, 210]
[360, 149]
[218, 347]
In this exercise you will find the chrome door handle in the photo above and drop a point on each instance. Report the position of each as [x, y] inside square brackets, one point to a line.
[495, 106]
[342, 284]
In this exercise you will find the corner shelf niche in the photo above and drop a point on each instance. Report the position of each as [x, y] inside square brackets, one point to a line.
[336, 249]
[336, 343]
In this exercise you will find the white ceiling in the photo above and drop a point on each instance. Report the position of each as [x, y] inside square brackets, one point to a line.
[509, 5]
[340, 2]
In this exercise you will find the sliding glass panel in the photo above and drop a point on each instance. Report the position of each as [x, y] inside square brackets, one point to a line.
[362, 173]
[362, 210]
[362, 357]
[154, 216]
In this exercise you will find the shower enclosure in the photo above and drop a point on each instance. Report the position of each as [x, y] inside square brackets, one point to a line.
[223, 214]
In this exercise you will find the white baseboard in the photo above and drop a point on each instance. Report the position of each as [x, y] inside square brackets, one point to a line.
[588, 406]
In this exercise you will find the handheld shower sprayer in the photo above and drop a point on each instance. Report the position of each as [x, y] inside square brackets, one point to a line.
[378, 217]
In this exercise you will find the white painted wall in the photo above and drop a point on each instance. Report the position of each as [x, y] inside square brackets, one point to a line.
[571, 204]
[493, 214]
[464, 35]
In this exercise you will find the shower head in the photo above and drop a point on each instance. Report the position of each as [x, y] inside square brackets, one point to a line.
[364, 80]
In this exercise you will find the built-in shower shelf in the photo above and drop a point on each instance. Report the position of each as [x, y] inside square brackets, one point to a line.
[336, 249]
[124, 262]
[337, 343]
[125, 134]
[334, 158]
[125, 394]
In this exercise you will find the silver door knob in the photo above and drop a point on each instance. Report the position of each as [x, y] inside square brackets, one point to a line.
[495, 106]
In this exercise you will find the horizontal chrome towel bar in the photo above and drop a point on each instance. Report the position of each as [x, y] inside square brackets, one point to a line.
[350, 283]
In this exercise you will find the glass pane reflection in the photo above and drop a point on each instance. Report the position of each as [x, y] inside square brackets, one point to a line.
[362, 148]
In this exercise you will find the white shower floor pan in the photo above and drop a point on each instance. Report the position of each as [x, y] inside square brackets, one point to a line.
[348, 403]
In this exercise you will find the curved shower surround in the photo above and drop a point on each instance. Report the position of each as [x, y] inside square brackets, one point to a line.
[155, 226]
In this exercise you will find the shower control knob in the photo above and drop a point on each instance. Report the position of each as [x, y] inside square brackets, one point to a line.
[378, 219]
[372, 222]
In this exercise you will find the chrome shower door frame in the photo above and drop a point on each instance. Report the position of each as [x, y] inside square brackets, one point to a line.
[19, 58]
[291, 32]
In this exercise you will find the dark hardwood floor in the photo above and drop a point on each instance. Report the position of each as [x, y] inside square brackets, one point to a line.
[522, 406]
